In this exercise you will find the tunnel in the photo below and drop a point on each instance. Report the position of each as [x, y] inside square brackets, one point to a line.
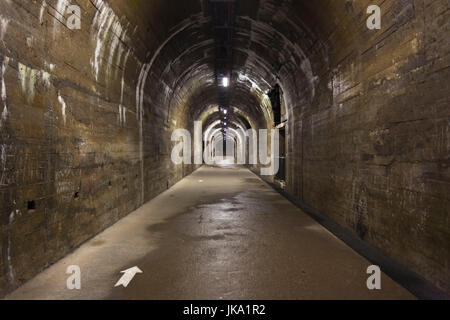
[255, 149]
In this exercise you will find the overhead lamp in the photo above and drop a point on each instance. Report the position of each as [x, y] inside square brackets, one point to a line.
[225, 82]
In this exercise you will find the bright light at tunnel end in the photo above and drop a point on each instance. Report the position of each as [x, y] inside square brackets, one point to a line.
[225, 82]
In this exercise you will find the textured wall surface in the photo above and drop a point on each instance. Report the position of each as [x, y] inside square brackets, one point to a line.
[77, 154]
[87, 116]
[370, 148]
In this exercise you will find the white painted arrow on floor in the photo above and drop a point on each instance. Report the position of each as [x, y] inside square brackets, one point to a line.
[128, 276]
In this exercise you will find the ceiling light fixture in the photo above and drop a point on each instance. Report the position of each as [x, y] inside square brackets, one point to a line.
[225, 82]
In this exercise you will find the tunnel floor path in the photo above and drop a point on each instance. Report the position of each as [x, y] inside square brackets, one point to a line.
[221, 233]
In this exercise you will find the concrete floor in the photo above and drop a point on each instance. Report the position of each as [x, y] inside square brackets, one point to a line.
[221, 233]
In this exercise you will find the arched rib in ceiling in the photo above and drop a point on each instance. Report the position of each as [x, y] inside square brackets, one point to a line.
[272, 44]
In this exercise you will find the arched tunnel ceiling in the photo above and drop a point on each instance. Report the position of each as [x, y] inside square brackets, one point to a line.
[241, 98]
[271, 43]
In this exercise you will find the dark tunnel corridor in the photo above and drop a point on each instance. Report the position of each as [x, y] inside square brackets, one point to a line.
[231, 149]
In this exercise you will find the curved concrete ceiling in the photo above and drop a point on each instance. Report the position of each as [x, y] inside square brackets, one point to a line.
[271, 39]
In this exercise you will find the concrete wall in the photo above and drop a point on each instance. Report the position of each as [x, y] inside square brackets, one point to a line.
[369, 146]
[76, 152]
